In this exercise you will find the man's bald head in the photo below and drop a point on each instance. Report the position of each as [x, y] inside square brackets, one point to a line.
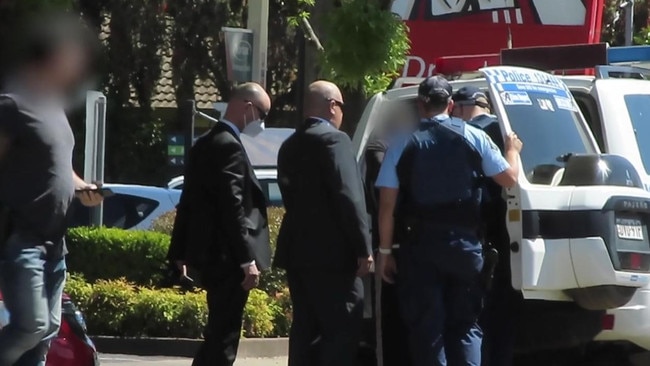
[249, 101]
[324, 100]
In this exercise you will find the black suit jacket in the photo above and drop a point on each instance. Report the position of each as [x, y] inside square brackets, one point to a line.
[221, 219]
[326, 224]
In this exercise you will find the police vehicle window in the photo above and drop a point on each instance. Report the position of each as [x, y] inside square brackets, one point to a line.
[548, 133]
[589, 110]
[638, 107]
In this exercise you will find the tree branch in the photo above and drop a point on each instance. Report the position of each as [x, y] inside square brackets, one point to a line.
[310, 34]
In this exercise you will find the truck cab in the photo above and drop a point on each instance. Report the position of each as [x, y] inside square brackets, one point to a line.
[578, 219]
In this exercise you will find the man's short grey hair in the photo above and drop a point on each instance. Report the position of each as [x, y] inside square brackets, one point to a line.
[246, 91]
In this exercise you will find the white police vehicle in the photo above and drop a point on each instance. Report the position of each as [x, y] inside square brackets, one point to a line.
[578, 220]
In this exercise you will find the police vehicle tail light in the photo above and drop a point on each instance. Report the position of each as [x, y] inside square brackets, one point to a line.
[608, 322]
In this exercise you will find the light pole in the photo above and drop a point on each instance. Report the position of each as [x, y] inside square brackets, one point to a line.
[628, 7]
[258, 22]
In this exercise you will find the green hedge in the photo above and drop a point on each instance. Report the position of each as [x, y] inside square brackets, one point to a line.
[120, 308]
[102, 253]
[116, 272]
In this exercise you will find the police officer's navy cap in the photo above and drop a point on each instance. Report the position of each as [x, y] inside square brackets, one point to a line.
[434, 89]
[470, 95]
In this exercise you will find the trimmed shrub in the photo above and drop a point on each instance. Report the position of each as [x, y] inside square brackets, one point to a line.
[102, 253]
[120, 308]
[165, 223]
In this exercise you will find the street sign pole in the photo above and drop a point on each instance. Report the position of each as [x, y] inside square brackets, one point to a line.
[95, 146]
[258, 21]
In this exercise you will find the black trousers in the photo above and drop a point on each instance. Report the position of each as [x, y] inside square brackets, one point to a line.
[394, 334]
[503, 307]
[327, 318]
[226, 301]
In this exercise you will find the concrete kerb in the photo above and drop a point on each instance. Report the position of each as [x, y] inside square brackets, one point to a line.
[174, 347]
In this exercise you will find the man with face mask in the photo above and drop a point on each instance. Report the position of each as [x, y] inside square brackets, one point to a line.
[37, 181]
[221, 226]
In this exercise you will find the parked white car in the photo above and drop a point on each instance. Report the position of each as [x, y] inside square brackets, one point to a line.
[268, 178]
[130, 207]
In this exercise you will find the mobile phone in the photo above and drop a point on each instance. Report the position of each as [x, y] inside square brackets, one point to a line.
[104, 192]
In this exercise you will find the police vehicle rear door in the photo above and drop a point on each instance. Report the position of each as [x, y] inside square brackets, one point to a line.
[623, 97]
[540, 109]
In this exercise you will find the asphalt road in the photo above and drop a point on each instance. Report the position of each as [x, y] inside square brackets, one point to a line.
[126, 360]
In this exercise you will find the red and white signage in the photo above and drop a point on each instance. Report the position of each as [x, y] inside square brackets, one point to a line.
[464, 27]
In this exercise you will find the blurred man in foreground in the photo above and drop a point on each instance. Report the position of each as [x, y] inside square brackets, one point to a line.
[37, 182]
[221, 227]
[324, 241]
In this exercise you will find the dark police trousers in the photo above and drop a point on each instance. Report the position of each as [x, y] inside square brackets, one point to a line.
[503, 307]
[394, 334]
[441, 296]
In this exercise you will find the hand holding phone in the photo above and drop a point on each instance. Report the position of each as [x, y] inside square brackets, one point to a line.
[104, 192]
[91, 195]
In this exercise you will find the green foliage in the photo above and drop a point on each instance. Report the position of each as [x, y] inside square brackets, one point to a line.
[259, 314]
[643, 37]
[284, 316]
[101, 253]
[302, 12]
[165, 223]
[274, 280]
[613, 23]
[365, 46]
[120, 308]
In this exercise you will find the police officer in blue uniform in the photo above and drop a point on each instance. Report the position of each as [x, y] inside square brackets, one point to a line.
[432, 180]
[503, 304]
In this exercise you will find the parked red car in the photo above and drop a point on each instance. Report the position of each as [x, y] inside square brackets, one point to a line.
[72, 347]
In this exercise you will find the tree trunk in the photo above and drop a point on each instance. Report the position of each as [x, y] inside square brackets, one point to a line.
[355, 103]
[312, 54]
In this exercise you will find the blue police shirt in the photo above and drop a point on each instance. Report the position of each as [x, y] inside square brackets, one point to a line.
[492, 161]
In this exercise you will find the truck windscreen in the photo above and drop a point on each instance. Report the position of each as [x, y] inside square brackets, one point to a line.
[548, 132]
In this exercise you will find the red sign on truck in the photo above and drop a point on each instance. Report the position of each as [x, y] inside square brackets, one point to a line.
[465, 27]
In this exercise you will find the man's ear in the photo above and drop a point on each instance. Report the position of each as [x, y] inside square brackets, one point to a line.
[450, 106]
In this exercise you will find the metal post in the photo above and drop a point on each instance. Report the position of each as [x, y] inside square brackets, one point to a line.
[97, 213]
[95, 145]
[258, 21]
[188, 110]
[629, 21]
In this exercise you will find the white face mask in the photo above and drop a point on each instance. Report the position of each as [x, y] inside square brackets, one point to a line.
[254, 128]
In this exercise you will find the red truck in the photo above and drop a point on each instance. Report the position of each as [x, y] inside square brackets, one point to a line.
[469, 27]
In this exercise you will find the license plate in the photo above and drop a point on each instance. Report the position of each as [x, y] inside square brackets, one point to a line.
[630, 229]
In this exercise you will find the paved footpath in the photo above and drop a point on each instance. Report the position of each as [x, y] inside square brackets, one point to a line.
[126, 360]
